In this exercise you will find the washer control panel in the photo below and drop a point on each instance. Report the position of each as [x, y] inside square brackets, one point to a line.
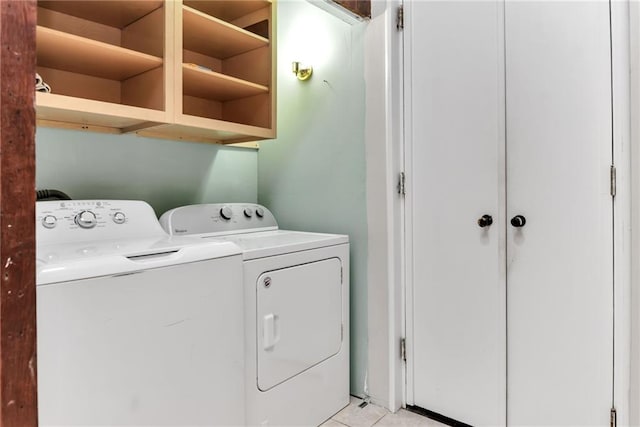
[74, 220]
[82, 214]
[217, 218]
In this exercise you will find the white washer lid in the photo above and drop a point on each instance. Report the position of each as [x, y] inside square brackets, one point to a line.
[75, 261]
[269, 243]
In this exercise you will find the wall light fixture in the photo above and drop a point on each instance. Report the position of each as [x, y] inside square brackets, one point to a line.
[300, 72]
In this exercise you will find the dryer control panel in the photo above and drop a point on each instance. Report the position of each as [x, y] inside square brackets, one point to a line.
[218, 218]
[77, 220]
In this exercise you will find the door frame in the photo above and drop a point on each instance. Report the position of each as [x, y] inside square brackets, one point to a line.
[384, 382]
[626, 144]
[18, 385]
[407, 239]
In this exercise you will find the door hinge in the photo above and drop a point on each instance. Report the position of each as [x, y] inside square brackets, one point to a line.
[400, 18]
[401, 184]
[613, 418]
[403, 349]
[613, 181]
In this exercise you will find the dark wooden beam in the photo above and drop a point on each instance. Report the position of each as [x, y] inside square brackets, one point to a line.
[18, 384]
[359, 7]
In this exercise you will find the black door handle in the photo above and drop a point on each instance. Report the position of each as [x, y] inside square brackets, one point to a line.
[518, 221]
[485, 221]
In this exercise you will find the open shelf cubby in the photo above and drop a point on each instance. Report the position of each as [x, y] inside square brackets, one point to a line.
[106, 51]
[227, 73]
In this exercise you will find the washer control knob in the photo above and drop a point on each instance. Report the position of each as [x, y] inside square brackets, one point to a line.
[119, 217]
[49, 221]
[226, 212]
[248, 212]
[260, 212]
[86, 219]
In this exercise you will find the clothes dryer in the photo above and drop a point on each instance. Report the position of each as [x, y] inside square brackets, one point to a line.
[297, 311]
[135, 327]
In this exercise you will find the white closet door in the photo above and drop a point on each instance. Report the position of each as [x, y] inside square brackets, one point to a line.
[559, 274]
[455, 113]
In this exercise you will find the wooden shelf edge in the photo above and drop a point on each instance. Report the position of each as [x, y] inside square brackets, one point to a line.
[225, 126]
[200, 129]
[219, 76]
[166, 131]
[215, 86]
[116, 14]
[53, 108]
[254, 145]
[96, 43]
[227, 25]
[219, 9]
[70, 42]
[77, 126]
[94, 128]
[54, 100]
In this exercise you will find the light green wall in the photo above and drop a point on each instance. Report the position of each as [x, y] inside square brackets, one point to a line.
[313, 176]
[164, 173]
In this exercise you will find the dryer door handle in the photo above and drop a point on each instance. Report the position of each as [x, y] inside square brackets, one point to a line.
[270, 335]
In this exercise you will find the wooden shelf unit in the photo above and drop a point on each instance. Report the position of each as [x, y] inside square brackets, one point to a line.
[199, 70]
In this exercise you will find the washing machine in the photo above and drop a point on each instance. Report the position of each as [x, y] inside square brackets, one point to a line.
[135, 328]
[297, 311]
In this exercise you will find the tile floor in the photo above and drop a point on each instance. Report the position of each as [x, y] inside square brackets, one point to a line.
[372, 415]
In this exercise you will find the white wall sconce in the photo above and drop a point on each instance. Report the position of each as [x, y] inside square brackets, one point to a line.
[301, 73]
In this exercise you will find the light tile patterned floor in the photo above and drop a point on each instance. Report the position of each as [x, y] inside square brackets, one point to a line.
[372, 415]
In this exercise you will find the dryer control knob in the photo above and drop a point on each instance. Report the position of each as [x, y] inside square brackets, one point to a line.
[248, 212]
[49, 221]
[226, 212]
[260, 212]
[119, 217]
[86, 219]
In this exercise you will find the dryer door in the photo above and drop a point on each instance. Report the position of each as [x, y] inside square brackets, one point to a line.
[299, 316]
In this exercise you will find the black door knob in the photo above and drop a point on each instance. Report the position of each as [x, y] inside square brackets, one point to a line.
[485, 221]
[518, 221]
